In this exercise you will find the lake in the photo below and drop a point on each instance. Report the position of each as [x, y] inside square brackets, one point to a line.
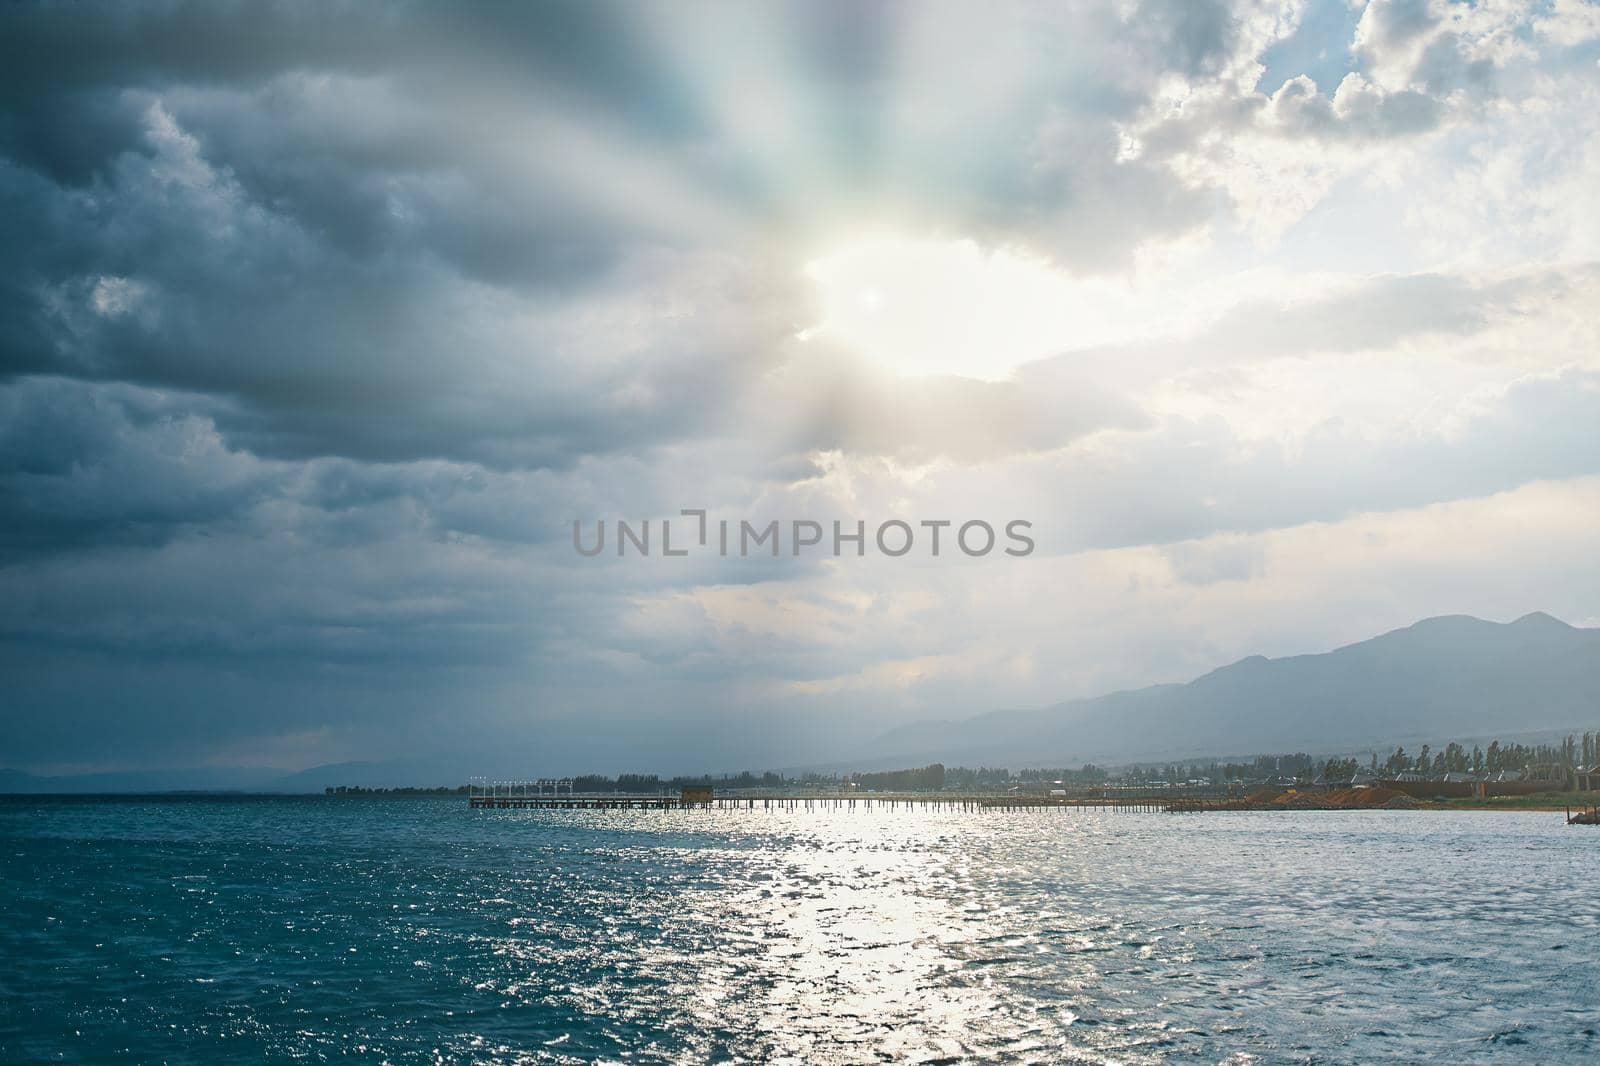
[412, 929]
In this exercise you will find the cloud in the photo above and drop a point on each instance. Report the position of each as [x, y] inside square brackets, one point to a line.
[194, 286]
[319, 329]
[1358, 110]
[83, 465]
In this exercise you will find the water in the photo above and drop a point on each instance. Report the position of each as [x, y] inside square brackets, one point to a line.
[198, 930]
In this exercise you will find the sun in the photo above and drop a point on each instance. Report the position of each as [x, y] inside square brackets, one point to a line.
[928, 307]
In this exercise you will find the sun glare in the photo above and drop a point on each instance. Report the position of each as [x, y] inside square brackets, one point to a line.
[927, 307]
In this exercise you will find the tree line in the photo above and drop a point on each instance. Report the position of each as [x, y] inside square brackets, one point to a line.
[1572, 753]
[1553, 760]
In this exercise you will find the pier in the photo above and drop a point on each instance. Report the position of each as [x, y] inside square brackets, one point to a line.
[557, 796]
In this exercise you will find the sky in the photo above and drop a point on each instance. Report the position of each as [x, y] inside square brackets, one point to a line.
[322, 324]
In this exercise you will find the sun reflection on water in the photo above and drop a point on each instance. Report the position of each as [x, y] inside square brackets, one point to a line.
[419, 930]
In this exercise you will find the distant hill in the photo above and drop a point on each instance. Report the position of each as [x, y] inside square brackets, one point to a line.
[416, 773]
[202, 779]
[233, 779]
[1444, 678]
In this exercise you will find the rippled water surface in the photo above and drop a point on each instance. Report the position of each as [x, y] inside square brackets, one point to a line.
[193, 930]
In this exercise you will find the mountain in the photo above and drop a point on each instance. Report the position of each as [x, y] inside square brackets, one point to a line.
[1450, 678]
[1447, 678]
[421, 773]
[198, 779]
[232, 779]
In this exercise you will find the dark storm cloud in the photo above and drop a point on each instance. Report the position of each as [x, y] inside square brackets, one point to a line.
[591, 50]
[168, 274]
[83, 466]
[383, 238]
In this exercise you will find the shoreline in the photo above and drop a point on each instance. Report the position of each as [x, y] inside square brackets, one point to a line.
[1540, 808]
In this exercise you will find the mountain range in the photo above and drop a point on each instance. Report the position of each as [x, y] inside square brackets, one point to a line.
[1447, 678]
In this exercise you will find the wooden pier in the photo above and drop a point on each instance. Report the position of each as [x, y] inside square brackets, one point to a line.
[524, 801]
